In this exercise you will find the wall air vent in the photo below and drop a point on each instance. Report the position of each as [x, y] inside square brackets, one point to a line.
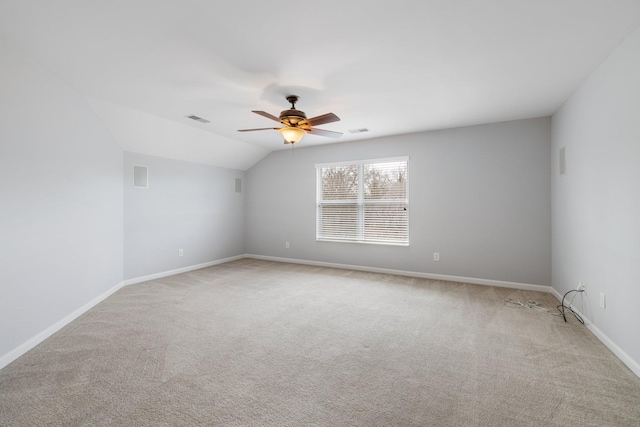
[562, 162]
[358, 130]
[198, 119]
[140, 176]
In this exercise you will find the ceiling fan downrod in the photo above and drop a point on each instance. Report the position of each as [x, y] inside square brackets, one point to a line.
[293, 99]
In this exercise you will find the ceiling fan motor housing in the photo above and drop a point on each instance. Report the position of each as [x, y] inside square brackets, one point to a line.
[293, 116]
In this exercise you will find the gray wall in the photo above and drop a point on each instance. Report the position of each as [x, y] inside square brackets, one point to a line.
[596, 205]
[60, 201]
[479, 195]
[187, 205]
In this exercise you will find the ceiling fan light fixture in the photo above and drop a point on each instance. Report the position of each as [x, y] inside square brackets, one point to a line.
[292, 134]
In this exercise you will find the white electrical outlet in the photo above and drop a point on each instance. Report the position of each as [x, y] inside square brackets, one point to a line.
[180, 252]
[603, 301]
[286, 245]
[436, 256]
[582, 286]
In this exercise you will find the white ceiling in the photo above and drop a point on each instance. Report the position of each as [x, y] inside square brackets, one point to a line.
[392, 67]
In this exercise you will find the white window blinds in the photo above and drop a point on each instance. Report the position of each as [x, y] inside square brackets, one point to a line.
[365, 201]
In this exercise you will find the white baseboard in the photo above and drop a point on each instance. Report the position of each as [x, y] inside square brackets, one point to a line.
[34, 341]
[180, 270]
[620, 354]
[498, 283]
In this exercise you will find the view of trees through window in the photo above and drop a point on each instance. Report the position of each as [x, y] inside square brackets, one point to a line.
[364, 201]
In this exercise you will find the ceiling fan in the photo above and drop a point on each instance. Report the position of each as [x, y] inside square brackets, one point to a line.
[296, 125]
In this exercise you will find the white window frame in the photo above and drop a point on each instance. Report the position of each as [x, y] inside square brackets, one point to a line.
[360, 202]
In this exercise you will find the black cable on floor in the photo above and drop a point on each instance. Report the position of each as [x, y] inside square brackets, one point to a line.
[561, 308]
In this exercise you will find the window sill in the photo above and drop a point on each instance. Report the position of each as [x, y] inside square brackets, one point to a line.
[363, 242]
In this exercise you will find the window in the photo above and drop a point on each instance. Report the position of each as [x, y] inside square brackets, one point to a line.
[363, 201]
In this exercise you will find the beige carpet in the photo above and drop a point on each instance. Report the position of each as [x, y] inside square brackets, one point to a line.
[256, 343]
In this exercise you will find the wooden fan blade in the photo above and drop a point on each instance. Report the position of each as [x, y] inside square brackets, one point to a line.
[321, 120]
[267, 115]
[251, 130]
[322, 132]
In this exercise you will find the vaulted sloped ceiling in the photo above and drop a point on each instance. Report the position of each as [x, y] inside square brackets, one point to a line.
[390, 67]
